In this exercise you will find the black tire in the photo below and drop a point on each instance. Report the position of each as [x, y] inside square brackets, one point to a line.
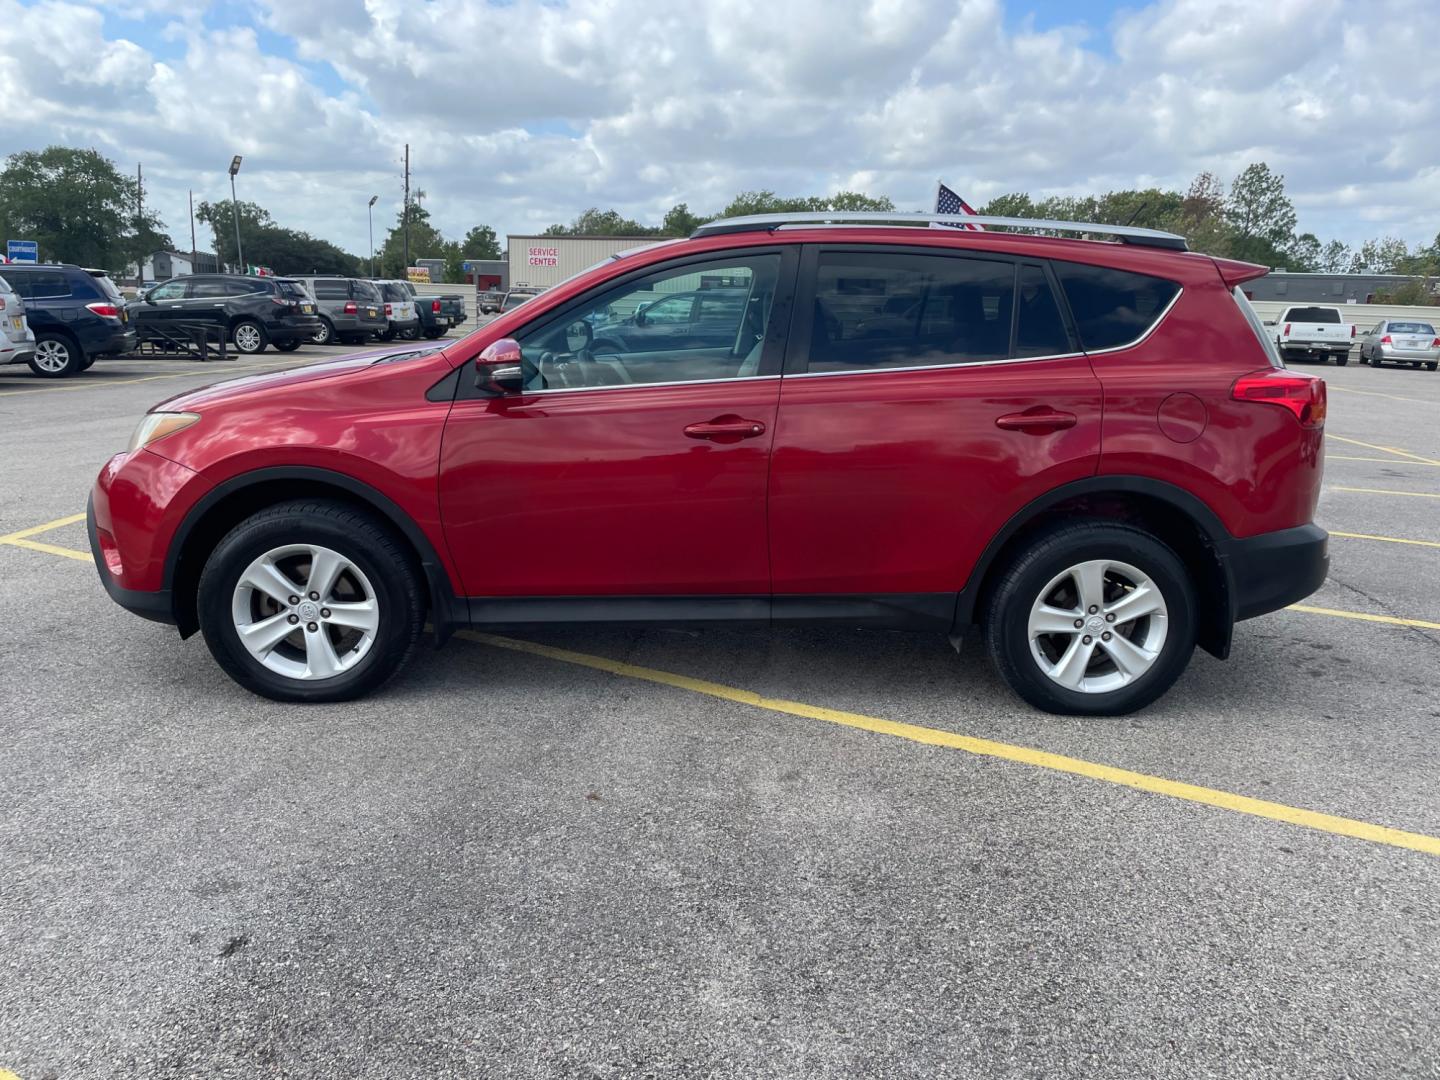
[1432, 365]
[325, 335]
[249, 337]
[287, 346]
[355, 534]
[1341, 359]
[433, 332]
[410, 334]
[57, 356]
[1007, 614]
[388, 334]
[1375, 360]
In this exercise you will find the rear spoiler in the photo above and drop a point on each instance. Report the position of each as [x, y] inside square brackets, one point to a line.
[1233, 272]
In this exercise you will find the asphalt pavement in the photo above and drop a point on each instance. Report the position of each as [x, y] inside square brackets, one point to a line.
[627, 855]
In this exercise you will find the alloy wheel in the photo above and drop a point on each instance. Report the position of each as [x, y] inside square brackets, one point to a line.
[247, 338]
[305, 612]
[1098, 626]
[52, 356]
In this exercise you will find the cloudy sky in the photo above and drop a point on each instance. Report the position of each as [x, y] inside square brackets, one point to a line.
[523, 113]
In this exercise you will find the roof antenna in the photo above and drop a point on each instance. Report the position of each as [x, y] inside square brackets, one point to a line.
[1137, 213]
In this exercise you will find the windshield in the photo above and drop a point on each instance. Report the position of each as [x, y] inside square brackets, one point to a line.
[514, 300]
[1313, 314]
[1411, 328]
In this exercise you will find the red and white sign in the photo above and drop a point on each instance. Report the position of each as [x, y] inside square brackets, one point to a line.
[543, 256]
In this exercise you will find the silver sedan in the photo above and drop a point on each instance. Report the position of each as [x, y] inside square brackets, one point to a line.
[1401, 341]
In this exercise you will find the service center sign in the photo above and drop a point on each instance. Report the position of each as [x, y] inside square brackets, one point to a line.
[543, 256]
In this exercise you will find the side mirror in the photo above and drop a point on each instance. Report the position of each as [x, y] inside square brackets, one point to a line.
[499, 369]
[578, 336]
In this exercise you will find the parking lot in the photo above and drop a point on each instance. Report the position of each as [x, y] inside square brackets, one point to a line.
[818, 853]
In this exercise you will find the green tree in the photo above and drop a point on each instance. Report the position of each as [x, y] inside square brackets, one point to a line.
[267, 243]
[78, 207]
[1387, 255]
[1335, 257]
[1305, 254]
[1261, 216]
[1015, 204]
[425, 242]
[597, 222]
[679, 221]
[1202, 215]
[480, 243]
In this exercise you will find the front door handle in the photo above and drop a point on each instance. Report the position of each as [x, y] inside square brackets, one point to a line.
[725, 429]
[1037, 421]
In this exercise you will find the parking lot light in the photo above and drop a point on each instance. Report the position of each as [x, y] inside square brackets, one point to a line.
[235, 212]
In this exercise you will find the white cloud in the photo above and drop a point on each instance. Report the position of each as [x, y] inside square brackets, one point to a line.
[523, 114]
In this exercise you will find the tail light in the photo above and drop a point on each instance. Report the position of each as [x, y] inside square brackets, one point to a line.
[351, 308]
[388, 312]
[2, 303]
[1352, 329]
[1303, 395]
[1387, 340]
[1435, 344]
[1287, 329]
[109, 311]
[435, 306]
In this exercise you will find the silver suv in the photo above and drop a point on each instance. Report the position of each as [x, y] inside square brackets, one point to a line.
[351, 309]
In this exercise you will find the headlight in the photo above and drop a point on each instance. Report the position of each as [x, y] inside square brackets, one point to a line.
[157, 425]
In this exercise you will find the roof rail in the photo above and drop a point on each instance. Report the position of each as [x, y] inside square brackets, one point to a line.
[769, 222]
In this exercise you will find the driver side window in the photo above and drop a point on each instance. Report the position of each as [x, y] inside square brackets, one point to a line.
[171, 290]
[645, 332]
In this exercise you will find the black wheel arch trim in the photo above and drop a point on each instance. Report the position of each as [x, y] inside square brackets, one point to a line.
[446, 612]
[1216, 641]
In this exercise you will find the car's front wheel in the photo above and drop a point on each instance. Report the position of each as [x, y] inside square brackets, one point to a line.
[311, 601]
[1093, 618]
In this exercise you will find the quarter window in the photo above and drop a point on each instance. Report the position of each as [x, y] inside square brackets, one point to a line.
[1112, 308]
[877, 310]
[1039, 326]
[624, 335]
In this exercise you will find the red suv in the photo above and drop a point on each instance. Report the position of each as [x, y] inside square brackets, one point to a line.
[1088, 449]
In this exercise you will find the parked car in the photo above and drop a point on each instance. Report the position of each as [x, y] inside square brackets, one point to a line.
[253, 312]
[706, 317]
[1314, 333]
[489, 301]
[77, 315]
[351, 310]
[1401, 341]
[17, 340]
[404, 320]
[1047, 449]
[438, 314]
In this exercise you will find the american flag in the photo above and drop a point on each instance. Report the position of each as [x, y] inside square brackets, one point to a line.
[947, 202]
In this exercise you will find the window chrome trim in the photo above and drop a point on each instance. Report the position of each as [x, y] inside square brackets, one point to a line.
[1154, 325]
[936, 367]
[645, 386]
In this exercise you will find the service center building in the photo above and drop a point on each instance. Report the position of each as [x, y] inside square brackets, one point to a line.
[548, 260]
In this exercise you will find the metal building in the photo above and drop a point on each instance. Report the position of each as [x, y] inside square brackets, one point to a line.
[549, 260]
[1323, 288]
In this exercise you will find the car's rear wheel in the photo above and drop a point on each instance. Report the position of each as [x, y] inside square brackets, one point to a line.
[56, 356]
[311, 601]
[1341, 359]
[324, 333]
[287, 346]
[249, 337]
[1432, 365]
[1093, 618]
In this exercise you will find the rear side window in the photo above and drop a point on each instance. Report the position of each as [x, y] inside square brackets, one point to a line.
[246, 288]
[1313, 314]
[207, 289]
[876, 310]
[37, 284]
[1112, 308]
[332, 289]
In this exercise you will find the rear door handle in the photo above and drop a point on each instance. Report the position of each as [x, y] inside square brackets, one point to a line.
[1036, 421]
[725, 429]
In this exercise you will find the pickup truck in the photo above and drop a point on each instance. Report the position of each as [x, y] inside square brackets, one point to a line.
[1314, 333]
[437, 313]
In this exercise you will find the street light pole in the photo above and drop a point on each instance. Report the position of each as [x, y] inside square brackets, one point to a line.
[370, 212]
[235, 210]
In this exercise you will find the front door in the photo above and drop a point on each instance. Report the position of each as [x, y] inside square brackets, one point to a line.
[625, 475]
[928, 396]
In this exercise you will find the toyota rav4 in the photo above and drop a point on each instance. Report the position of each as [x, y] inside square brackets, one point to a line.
[1089, 450]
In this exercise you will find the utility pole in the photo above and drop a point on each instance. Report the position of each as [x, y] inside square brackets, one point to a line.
[194, 259]
[405, 216]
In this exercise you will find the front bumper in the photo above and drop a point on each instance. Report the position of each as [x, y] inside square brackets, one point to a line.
[154, 606]
[1273, 570]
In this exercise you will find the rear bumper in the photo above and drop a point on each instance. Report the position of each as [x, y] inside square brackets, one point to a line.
[1428, 356]
[1273, 570]
[118, 340]
[18, 354]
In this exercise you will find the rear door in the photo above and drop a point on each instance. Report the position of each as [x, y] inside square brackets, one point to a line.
[626, 475]
[927, 397]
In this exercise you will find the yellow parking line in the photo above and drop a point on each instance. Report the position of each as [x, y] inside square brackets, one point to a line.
[1362, 616]
[1388, 491]
[1387, 539]
[1023, 755]
[49, 549]
[92, 383]
[6, 1074]
[36, 530]
[1385, 449]
[1371, 393]
[1381, 460]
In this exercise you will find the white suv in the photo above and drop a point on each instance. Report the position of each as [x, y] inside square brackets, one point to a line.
[17, 340]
